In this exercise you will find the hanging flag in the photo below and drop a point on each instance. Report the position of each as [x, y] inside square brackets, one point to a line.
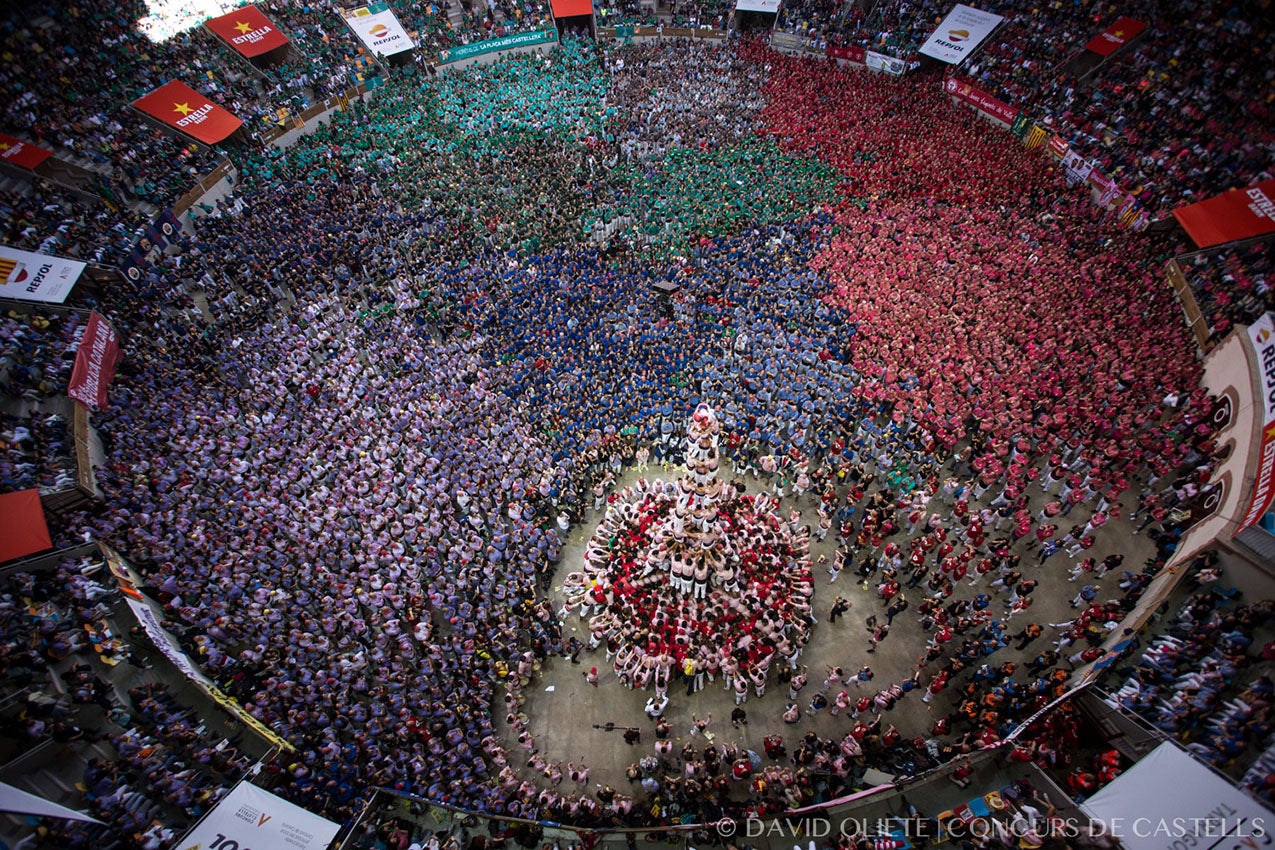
[376, 27]
[27, 276]
[182, 108]
[247, 31]
[95, 362]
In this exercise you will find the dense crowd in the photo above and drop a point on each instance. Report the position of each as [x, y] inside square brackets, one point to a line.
[435, 347]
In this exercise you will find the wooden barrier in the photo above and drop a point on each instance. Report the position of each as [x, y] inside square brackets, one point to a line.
[1190, 307]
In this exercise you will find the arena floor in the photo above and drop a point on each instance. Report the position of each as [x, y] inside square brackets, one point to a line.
[566, 713]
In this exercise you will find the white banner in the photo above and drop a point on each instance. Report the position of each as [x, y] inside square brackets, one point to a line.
[166, 643]
[881, 62]
[757, 5]
[1169, 801]
[249, 818]
[962, 30]
[25, 276]
[1261, 334]
[379, 30]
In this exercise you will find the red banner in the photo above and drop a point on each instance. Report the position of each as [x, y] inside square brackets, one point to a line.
[1115, 36]
[20, 153]
[1058, 146]
[95, 363]
[981, 100]
[852, 54]
[571, 8]
[247, 31]
[23, 530]
[182, 108]
[1238, 214]
[1261, 335]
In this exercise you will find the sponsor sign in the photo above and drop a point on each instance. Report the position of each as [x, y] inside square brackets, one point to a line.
[1115, 36]
[981, 100]
[247, 31]
[251, 818]
[757, 5]
[1261, 335]
[571, 8]
[379, 30]
[25, 276]
[20, 153]
[1238, 214]
[182, 108]
[960, 34]
[492, 45]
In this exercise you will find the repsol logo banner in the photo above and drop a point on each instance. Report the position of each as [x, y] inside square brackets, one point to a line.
[960, 34]
[27, 276]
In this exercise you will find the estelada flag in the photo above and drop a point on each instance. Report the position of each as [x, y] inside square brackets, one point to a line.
[20, 153]
[1230, 216]
[1115, 36]
[247, 31]
[182, 108]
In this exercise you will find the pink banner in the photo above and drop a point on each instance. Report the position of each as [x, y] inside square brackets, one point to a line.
[850, 54]
[95, 363]
[981, 100]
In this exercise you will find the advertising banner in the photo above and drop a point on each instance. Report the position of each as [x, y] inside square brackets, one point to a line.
[25, 276]
[379, 30]
[20, 153]
[571, 8]
[492, 45]
[95, 361]
[1261, 335]
[757, 5]
[850, 54]
[251, 818]
[1168, 799]
[182, 108]
[1115, 36]
[247, 31]
[960, 33]
[1238, 214]
[980, 100]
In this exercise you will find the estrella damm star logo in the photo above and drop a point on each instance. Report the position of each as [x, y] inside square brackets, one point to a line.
[4, 146]
[242, 27]
[183, 108]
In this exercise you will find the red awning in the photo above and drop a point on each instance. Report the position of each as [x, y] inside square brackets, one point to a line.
[182, 108]
[247, 31]
[20, 153]
[1231, 216]
[1115, 36]
[22, 528]
[571, 8]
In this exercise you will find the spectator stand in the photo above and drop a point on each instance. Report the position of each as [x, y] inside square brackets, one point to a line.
[80, 691]
[1222, 287]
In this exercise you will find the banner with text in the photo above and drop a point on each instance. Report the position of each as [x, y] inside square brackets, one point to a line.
[1261, 335]
[960, 34]
[492, 45]
[1238, 214]
[252, 818]
[1115, 36]
[757, 5]
[379, 30]
[981, 100]
[182, 108]
[20, 153]
[95, 361]
[247, 31]
[25, 276]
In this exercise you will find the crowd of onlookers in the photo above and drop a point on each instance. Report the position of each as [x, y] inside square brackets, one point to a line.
[1230, 287]
[434, 345]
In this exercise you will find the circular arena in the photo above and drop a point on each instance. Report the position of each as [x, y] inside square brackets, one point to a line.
[459, 425]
